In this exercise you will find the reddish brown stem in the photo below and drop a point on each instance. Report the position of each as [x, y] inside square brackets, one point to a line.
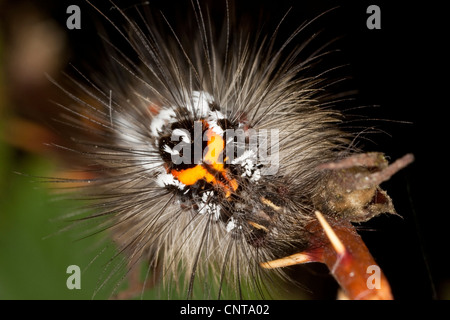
[353, 268]
[337, 244]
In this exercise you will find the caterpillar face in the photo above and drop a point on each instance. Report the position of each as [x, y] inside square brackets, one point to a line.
[194, 151]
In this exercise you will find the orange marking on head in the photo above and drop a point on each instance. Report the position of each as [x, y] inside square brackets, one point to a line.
[214, 149]
[190, 176]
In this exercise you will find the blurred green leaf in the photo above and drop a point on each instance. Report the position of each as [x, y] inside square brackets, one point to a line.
[33, 262]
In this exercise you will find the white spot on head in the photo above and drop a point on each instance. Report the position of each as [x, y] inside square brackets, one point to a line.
[209, 207]
[183, 134]
[256, 175]
[164, 117]
[206, 195]
[248, 155]
[248, 161]
[215, 127]
[232, 224]
[171, 151]
[167, 179]
[199, 106]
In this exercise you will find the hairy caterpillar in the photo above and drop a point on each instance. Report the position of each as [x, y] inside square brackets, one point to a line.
[209, 218]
